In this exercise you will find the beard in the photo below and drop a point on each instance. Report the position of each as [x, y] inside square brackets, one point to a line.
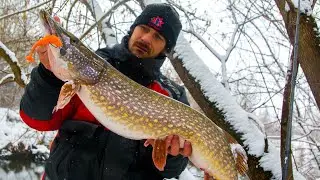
[142, 47]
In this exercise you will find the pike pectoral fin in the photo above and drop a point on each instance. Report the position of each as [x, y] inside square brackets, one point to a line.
[68, 90]
[159, 153]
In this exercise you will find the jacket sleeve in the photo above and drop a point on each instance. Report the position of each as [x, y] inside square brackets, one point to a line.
[39, 99]
[174, 166]
[183, 97]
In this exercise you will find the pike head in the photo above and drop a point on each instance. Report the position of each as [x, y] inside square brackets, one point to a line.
[73, 60]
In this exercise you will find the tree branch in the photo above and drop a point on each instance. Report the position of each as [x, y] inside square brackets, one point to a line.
[25, 10]
[114, 7]
[19, 78]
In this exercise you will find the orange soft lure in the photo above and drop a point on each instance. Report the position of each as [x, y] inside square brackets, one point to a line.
[49, 39]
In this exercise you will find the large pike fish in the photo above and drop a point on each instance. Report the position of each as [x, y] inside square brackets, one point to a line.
[133, 111]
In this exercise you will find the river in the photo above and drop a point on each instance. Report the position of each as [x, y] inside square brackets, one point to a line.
[20, 170]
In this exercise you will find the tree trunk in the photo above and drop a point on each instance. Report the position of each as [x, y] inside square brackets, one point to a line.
[285, 116]
[309, 49]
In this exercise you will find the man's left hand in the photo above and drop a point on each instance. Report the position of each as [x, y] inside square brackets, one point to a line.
[173, 146]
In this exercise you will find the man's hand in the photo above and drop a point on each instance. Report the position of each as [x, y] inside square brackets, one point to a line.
[44, 52]
[173, 146]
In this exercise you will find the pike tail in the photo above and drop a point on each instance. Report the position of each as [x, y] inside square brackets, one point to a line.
[239, 154]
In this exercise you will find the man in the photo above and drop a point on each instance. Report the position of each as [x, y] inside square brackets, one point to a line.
[83, 149]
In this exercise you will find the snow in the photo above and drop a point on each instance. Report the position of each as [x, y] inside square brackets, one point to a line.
[147, 2]
[213, 89]
[187, 175]
[11, 54]
[271, 161]
[13, 130]
[10, 129]
[31, 171]
[297, 175]
[305, 6]
[287, 7]
[256, 120]
[190, 173]
[8, 76]
[242, 122]
[14, 59]
[40, 149]
[39, 169]
[109, 34]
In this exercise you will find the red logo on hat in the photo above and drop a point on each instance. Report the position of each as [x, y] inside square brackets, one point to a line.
[156, 22]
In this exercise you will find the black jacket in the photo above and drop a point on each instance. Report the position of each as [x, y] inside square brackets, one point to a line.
[84, 150]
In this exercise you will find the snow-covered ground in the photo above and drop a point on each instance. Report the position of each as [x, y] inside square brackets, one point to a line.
[10, 171]
[14, 131]
[16, 135]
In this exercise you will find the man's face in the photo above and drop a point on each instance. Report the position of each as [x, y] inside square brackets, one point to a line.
[145, 42]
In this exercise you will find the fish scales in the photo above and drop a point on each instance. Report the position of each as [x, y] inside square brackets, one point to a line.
[147, 114]
[136, 112]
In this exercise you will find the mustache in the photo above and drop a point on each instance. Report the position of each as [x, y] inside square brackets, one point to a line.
[141, 44]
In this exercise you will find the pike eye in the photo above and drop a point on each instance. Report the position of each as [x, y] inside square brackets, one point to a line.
[63, 51]
[74, 41]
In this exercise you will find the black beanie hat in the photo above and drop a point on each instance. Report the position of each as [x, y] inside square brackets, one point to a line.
[164, 19]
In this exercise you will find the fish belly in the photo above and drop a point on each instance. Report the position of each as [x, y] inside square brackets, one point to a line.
[107, 120]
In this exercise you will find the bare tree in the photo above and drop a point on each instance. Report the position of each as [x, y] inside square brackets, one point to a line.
[248, 42]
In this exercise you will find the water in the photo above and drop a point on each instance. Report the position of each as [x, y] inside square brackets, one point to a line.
[22, 169]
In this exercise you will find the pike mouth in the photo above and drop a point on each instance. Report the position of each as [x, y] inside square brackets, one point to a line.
[51, 27]
[44, 18]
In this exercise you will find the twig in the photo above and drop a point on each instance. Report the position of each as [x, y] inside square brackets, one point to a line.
[22, 11]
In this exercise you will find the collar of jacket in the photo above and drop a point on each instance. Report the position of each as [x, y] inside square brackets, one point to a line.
[150, 67]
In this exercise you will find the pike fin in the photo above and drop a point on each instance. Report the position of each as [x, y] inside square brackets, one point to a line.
[239, 154]
[208, 177]
[159, 153]
[68, 90]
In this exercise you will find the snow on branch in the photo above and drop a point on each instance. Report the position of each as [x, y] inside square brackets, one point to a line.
[6, 78]
[106, 14]
[244, 123]
[107, 33]
[19, 76]
[305, 6]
